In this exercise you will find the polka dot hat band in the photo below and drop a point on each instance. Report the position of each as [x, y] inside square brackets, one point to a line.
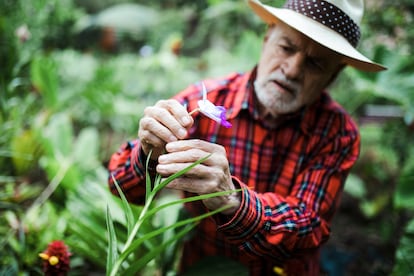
[328, 15]
[332, 23]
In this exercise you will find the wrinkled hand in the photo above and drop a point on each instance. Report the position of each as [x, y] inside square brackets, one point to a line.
[165, 122]
[213, 175]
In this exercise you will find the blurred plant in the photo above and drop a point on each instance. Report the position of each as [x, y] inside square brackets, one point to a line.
[373, 179]
[405, 252]
[27, 231]
[403, 200]
[393, 86]
[381, 180]
[387, 23]
[384, 151]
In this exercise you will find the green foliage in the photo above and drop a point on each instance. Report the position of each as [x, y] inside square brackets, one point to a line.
[405, 253]
[44, 78]
[372, 179]
[28, 233]
[392, 86]
[404, 192]
[86, 232]
[26, 151]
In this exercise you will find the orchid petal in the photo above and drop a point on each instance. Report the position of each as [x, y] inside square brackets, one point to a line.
[216, 113]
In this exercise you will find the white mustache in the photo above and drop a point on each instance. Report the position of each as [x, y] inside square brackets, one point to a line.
[288, 84]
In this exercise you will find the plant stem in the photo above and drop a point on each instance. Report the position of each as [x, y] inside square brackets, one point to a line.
[193, 111]
[133, 232]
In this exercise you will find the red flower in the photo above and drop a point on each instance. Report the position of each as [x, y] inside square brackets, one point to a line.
[56, 260]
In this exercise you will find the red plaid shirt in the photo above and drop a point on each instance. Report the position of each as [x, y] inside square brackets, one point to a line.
[292, 174]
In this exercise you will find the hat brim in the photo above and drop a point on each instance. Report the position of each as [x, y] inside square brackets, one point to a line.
[317, 32]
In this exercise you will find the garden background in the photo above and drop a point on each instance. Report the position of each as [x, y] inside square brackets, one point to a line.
[76, 76]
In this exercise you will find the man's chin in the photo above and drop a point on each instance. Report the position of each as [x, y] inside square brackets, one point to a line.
[280, 109]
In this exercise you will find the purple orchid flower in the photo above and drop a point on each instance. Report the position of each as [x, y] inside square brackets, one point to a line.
[216, 113]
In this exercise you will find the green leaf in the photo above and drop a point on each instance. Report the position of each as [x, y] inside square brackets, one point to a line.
[91, 232]
[26, 150]
[162, 184]
[143, 260]
[45, 79]
[404, 193]
[187, 222]
[404, 256]
[83, 249]
[129, 216]
[187, 200]
[61, 172]
[112, 242]
[371, 208]
[86, 148]
[147, 178]
[355, 186]
[132, 243]
[59, 135]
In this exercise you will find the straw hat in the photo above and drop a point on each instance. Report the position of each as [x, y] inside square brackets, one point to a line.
[332, 23]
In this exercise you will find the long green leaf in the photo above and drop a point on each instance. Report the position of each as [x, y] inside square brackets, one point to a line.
[129, 215]
[158, 185]
[89, 234]
[159, 231]
[142, 261]
[165, 182]
[83, 249]
[148, 188]
[112, 244]
[186, 200]
[150, 196]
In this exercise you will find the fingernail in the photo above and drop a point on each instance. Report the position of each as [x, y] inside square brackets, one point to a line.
[182, 133]
[185, 120]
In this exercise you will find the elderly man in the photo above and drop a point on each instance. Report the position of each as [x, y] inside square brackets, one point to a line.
[289, 149]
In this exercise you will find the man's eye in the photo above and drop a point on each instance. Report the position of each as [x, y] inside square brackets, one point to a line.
[286, 48]
[315, 64]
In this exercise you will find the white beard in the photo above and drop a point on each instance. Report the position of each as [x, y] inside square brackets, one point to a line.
[274, 101]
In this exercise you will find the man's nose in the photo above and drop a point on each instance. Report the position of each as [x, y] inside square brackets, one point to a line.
[294, 66]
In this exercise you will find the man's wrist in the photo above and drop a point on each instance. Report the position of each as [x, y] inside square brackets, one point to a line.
[233, 201]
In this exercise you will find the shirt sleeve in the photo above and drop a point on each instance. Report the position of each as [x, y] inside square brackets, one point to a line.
[127, 168]
[269, 225]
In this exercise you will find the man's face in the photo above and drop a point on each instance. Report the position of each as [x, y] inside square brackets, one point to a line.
[292, 71]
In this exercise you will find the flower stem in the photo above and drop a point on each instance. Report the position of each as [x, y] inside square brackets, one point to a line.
[193, 111]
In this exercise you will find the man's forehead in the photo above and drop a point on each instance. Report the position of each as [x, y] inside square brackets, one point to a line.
[300, 41]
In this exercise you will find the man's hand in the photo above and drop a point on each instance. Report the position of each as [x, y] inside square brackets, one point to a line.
[165, 122]
[213, 175]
